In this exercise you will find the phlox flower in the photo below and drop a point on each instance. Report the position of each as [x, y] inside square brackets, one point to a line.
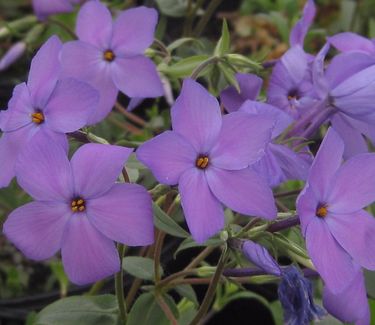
[12, 55]
[45, 104]
[208, 156]
[109, 55]
[339, 233]
[45, 8]
[351, 42]
[78, 208]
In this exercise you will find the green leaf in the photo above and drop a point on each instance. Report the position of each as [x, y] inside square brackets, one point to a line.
[229, 75]
[82, 310]
[164, 222]
[184, 67]
[181, 41]
[173, 8]
[223, 45]
[189, 243]
[187, 291]
[140, 267]
[277, 312]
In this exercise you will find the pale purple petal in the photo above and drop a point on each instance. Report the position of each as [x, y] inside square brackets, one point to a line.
[44, 8]
[203, 212]
[96, 167]
[136, 77]
[349, 41]
[133, 30]
[242, 140]
[295, 62]
[333, 263]
[57, 137]
[306, 205]
[12, 55]
[361, 245]
[353, 187]
[168, 155]
[298, 33]
[49, 178]
[351, 305]
[37, 228]
[94, 24]
[243, 191]
[326, 163]
[124, 214]
[44, 72]
[71, 104]
[134, 103]
[321, 85]
[87, 255]
[196, 116]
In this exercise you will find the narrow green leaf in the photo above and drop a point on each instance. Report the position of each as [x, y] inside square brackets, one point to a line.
[229, 75]
[181, 41]
[164, 222]
[187, 291]
[223, 45]
[140, 267]
[184, 67]
[189, 243]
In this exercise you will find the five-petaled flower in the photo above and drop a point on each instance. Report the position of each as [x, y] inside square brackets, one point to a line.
[209, 157]
[79, 208]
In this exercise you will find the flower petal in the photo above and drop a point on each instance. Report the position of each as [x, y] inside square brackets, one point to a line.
[71, 104]
[133, 30]
[243, 191]
[334, 265]
[44, 72]
[203, 212]
[295, 62]
[37, 228]
[44, 8]
[196, 116]
[168, 155]
[242, 140]
[96, 167]
[87, 255]
[326, 163]
[94, 24]
[49, 177]
[306, 207]
[137, 77]
[124, 214]
[361, 245]
[353, 187]
[348, 41]
[299, 31]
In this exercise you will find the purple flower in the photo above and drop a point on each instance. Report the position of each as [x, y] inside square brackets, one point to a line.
[351, 305]
[259, 256]
[45, 8]
[338, 232]
[78, 208]
[44, 104]
[299, 31]
[208, 156]
[349, 42]
[12, 55]
[295, 294]
[109, 55]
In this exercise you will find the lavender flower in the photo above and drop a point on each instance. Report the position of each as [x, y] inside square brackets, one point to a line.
[208, 156]
[295, 294]
[351, 42]
[78, 208]
[12, 55]
[43, 105]
[330, 208]
[45, 8]
[357, 311]
[109, 55]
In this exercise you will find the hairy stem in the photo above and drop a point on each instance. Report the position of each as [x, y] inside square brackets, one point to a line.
[119, 286]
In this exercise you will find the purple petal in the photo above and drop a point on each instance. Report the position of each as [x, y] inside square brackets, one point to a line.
[203, 213]
[19, 110]
[12, 55]
[334, 265]
[133, 30]
[44, 72]
[49, 178]
[196, 116]
[351, 305]
[94, 24]
[44, 8]
[361, 246]
[37, 228]
[242, 140]
[348, 41]
[134, 103]
[137, 77]
[268, 167]
[168, 155]
[124, 214]
[353, 187]
[71, 104]
[298, 33]
[326, 163]
[250, 85]
[243, 191]
[96, 167]
[295, 62]
[87, 255]
[321, 85]
[306, 205]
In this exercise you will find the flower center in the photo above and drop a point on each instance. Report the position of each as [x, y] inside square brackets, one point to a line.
[202, 162]
[293, 94]
[37, 117]
[78, 205]
[321, 211]
[109, 55]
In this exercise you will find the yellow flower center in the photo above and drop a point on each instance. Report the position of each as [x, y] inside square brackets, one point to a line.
[321, 211]
[202, 162]
[78, 205]
[37, 117]
[109, 55]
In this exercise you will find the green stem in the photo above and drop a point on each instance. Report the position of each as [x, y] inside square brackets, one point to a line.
[197, 71]
[119, 285]
[206, 17]
[96, 287]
